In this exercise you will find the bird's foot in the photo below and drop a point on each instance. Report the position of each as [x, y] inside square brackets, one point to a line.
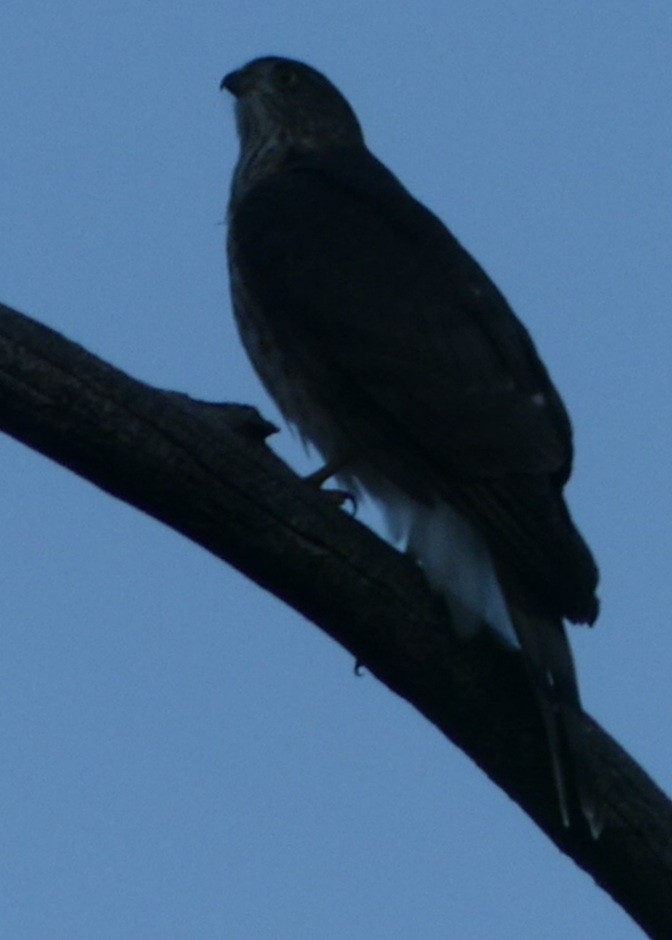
[341, 497]
[320, 477]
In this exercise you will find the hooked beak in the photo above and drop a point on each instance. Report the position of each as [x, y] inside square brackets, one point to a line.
[233, 82]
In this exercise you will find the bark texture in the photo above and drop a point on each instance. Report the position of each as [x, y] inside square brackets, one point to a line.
[205, 470]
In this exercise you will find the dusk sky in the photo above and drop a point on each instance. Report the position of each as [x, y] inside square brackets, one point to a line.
[183, 756]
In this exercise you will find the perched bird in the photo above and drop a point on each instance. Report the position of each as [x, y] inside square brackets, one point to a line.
[390, 350]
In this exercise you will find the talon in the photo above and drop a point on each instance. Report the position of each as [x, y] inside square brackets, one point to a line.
[329, 470]
[341, 497]
[320, 477]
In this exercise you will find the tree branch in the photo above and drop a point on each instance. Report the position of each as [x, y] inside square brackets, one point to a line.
[204, 470]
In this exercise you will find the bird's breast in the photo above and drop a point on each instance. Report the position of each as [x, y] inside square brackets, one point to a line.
[282, 376]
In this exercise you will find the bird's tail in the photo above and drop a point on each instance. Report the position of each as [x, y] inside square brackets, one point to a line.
[550, 664]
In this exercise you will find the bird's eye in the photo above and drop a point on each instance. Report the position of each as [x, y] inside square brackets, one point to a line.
[286, 77]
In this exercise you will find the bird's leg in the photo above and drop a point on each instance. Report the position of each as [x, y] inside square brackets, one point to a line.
[341, 497]
[330, 469]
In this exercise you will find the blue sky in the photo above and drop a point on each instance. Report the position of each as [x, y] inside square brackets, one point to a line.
[183, 756]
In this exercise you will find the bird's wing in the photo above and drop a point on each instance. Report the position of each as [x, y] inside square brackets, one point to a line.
[407, 344]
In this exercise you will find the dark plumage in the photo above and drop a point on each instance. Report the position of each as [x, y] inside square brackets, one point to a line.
[392, 352]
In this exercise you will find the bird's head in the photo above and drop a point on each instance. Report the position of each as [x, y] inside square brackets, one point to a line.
[286, 104]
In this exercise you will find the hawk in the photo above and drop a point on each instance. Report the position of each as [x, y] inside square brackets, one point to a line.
[390, 350]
